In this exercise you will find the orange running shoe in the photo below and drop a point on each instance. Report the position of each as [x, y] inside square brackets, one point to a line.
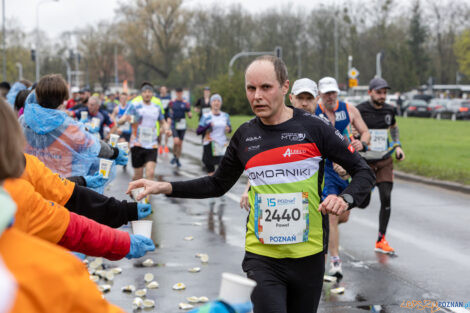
[160, 150]
[383, 247]
[166, 149]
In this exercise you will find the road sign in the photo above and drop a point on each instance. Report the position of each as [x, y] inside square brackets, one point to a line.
[352, 82]
[353, 73]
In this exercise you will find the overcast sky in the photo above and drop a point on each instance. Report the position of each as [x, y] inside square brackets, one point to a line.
[56, 17]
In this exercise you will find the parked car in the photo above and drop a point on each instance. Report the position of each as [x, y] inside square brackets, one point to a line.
[416, 107]
[438, 106]
[456, 109]
[424, 97]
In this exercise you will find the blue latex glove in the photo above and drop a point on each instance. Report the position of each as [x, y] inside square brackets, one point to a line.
[122, 158]
[95, 181]
[79, 255]
[143, 210]
[94, 130]
[243, 307]
[139, 246]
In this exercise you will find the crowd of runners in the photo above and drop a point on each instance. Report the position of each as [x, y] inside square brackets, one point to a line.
[308, 163]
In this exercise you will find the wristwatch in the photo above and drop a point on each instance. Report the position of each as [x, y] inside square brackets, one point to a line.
[365, 147]
[348, 199]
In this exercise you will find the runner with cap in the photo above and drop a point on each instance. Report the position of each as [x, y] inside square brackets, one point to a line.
[178, 108]
[380, 119]
[203, 104]
[145, 117]
[304, 95]
[282, 150]
[342, 116]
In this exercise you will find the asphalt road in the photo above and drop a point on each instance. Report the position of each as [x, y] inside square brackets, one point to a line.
[428, 229]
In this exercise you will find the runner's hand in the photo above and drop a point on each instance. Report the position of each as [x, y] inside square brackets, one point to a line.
[150, 187]
[357, 145]
[333, 205]
[244, 203]
[399, 154]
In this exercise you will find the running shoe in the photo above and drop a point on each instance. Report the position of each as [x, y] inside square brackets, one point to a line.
[335, 269]
[178, 164]
[173, 161]
[166, 150]
[160, 150]
[383, 247]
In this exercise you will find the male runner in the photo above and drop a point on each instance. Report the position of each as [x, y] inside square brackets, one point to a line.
[282, 150]
[177, 118]
[380, 118]
[342, 116]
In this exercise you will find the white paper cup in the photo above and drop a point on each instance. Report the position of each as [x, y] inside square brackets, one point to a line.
[83, 115]
[113, 139]
[95, 122]
[136, 192]
[123, 146]
[105, 167]
[236, 289]
[143, 228]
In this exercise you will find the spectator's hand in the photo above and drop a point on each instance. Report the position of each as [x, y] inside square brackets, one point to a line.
[94, 130]
[95, 181]
[122, 158]
[399, 154]
[140, 245]
[333, 205]
[243, 307]
[244, 203]
[150, 187]
[143, 210]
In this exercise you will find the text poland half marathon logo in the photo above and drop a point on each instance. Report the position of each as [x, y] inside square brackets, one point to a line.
[293, 136]
[290, 152]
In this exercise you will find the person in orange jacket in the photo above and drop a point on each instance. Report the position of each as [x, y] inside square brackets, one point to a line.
[48, 278]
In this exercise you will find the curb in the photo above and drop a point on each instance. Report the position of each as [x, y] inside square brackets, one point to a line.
[409, 177]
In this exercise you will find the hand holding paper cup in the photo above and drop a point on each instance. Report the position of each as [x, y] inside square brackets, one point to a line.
[105, 167]
[236, 289]
[124, 146]
[136, 192]
[83, 115]
[113, 139]
[95, 122]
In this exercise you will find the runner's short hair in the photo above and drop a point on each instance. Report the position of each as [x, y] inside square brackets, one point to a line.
[51, 91]
[280, 67]
[12, 144]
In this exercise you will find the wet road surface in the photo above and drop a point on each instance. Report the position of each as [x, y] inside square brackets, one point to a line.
[428, 229]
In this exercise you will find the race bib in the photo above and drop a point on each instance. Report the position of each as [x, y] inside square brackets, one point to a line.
[146, 135]
[181, 124]
[281, 218]
[217, 149]
[126, 127]
[378, 140]
[206, 111]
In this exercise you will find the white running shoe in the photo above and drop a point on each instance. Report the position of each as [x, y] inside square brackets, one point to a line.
[335, 270]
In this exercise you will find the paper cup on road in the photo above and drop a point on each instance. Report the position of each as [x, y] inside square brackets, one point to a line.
[138, 191]
[113, 139]
[236, 289]
[95, 122]
[143, 228]
[105, 167]
[123, 146]
[83, 115]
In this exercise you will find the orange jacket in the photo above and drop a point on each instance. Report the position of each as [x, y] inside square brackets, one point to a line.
[51, 186]
[49, 278]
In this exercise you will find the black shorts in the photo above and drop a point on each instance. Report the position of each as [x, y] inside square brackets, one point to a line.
[178, 133]
[140, 156]
[285, 285]
[126, 136]
[209, 160]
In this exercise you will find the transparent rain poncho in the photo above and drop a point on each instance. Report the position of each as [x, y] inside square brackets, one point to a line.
[14, 90]
[60, 142]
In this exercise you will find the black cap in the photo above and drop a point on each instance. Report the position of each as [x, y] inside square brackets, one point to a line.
[378, 83]
[5, 85]
[179, 89]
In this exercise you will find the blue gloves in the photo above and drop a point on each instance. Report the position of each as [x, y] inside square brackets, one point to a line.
[243, 307]
[122, 158]
[219, 306]
[94, 130]
[143, 210]
[79, 255]
[95, 181]
[139, 246]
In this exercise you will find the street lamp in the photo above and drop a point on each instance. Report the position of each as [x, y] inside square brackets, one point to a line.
[37, 37]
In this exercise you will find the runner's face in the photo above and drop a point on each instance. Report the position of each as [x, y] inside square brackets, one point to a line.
[216, 104]
[93, 107]
[207, 93]
[163, 91]
[265, 94]
[123, 99]
[179, 95]
[147, 95]
[378, 96]
[304, 101]
[328, 99]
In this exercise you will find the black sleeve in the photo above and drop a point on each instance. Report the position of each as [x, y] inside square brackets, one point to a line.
[104, 210]
[78, 180]
[337, 149]
[216, 185]
[198, 103]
